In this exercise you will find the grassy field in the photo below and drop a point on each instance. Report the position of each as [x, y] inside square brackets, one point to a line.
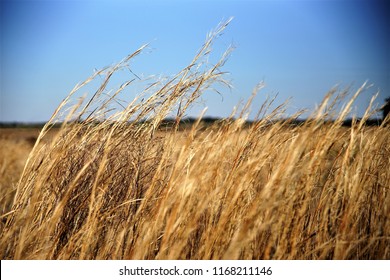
[115, 184]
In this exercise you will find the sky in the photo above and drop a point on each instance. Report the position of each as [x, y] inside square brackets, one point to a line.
[300, 49]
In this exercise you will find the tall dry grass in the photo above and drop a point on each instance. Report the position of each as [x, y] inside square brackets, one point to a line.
[112, 185]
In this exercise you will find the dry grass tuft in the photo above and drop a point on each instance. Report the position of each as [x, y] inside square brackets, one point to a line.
[111, 185]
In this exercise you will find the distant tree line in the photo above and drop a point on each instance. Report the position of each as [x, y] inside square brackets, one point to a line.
[206, 120]
[386, 108]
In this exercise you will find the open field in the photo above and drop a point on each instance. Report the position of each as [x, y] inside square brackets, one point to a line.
[310, 192]
[112, 184]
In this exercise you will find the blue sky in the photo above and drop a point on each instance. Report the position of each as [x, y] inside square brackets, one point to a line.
[300, 49]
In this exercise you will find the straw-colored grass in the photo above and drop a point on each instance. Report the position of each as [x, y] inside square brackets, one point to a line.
[112, 185]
